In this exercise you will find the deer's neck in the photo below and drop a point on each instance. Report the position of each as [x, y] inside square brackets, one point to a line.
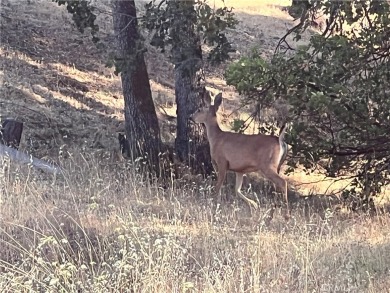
[213, 130]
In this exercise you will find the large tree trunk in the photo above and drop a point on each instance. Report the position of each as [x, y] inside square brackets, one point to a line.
[141, 122]
[191, 142]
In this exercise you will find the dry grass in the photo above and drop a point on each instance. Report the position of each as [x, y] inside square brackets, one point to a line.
[101, 227]
[104, 228]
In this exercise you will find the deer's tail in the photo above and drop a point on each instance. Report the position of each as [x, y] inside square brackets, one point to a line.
[283, 147]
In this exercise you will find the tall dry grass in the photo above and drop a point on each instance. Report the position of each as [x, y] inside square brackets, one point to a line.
[103, 227]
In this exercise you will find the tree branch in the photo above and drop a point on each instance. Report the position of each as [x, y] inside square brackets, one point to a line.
[358, 152]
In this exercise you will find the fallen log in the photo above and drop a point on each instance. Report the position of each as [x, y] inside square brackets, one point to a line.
[24, 158]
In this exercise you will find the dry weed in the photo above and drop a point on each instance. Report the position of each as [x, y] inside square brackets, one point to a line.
[102, 227]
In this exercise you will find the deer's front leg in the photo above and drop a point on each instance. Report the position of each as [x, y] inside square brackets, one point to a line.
[222, 168]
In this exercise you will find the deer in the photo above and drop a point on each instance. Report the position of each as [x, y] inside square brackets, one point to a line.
[242, 153]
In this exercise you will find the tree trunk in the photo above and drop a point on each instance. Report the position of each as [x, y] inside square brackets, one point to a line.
[141, 122]
[191, 143]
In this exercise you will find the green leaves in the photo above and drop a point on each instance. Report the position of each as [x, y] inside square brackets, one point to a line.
[82, 14]
[210, 24]
[237, 125]
[247, 74]
[252, 76]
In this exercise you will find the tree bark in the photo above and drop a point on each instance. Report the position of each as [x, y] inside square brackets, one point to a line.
[142, 129]
[191, 143]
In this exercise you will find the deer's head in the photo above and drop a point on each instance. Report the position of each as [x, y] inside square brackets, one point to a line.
[208, 112]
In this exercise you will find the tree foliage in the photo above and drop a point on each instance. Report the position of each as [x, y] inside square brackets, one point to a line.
[83, 15]
[210, 24]
[337, 90]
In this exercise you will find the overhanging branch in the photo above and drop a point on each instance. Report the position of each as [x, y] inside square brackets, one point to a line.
[359, 152]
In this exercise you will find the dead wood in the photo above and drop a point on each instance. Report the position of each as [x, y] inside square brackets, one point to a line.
[25, 158]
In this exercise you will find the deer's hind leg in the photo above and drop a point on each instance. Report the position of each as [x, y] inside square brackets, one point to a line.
[239, 179]
[279, 183]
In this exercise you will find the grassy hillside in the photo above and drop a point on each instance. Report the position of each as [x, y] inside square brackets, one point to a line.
[102, 227]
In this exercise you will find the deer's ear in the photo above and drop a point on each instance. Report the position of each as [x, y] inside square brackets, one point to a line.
[207, 98]
[218, 101]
